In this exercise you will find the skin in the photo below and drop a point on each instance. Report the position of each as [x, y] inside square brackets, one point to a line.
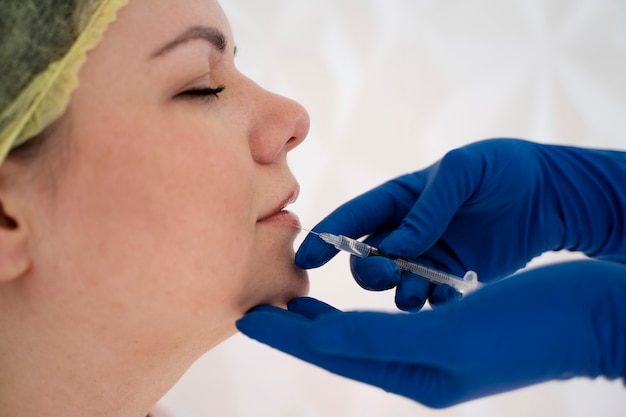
[143, 228]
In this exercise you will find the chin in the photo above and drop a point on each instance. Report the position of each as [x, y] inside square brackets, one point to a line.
[273, 277]
[281, 285]
[297, 286]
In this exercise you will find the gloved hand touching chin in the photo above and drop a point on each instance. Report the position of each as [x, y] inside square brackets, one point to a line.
[554, 322]
[489, 207]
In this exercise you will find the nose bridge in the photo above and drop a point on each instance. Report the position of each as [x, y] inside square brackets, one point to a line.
[278, 125]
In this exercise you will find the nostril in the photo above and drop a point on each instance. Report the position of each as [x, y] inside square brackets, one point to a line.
[278, 125]
[6, 222]
[293, 142]
[302, 123]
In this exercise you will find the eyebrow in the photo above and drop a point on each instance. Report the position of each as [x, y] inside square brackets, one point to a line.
[210, 34]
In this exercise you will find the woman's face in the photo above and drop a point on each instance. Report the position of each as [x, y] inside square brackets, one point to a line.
[162, 216]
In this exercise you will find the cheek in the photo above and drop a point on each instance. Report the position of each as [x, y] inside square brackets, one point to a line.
[156, 228]
[206, 213]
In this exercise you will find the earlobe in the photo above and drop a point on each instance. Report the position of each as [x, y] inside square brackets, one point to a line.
[14, 256]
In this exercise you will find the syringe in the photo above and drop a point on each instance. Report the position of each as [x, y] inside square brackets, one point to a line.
[468, 283]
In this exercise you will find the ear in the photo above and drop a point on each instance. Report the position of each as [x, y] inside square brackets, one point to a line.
[14, 254]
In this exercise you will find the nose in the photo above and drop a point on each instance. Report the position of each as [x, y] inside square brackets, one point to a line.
[279, 124]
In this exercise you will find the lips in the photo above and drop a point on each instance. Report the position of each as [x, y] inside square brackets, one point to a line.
[279, 215]
[279, 209]
[282, 218]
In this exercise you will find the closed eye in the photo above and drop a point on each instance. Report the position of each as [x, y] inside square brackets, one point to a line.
[204, 94]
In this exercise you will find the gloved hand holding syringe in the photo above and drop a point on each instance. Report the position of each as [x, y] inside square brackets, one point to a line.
[468, 283]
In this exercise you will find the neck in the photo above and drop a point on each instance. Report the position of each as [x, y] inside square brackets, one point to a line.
[51, 369]
[65, 382]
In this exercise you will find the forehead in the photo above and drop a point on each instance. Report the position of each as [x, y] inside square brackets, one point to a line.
[120, 75]
[148, 24]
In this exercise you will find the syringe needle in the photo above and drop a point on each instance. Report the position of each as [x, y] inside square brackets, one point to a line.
[309, 231]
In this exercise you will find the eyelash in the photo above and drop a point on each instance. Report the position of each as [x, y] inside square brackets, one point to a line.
[202, 94]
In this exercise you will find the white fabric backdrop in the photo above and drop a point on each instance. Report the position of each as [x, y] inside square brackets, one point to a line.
[391, 85]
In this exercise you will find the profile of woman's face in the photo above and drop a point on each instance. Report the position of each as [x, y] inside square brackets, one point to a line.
[161, 218]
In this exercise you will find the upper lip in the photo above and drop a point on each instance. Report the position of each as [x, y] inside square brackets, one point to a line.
[289, 198]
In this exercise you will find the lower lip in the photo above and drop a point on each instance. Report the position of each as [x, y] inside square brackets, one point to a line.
[283, 218]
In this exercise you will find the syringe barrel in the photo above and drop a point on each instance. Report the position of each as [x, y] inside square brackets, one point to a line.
[352, 246]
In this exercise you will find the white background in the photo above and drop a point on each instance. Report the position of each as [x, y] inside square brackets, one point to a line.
[391, 85]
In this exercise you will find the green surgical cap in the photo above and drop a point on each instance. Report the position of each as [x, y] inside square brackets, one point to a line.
[43, 44]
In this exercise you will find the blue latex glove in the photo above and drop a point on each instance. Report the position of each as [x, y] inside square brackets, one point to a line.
[489, 207]
[554, 322]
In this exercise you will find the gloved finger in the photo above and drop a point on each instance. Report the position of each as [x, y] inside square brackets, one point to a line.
[282, 329]
[310, 308]
[412, 292]
[266, 308]
[442, 294]
[418, 339]
[386, 204]
[375, 273]
[314, 252]
[289, 333]
[450, 183]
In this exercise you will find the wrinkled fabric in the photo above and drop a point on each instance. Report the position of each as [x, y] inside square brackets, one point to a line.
[43, 44]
